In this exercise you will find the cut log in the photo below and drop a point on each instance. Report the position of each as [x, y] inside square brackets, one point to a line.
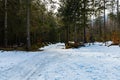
[114, 44]
[72, 44]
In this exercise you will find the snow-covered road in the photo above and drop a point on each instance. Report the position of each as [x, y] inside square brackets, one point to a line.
[55, 63]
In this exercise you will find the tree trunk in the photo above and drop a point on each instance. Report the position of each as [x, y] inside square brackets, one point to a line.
[117, 14]
[84, 30]
[67, 34]
[5, 32]
[28, 25]
[100, 28]
[104, 21]
[75, 33]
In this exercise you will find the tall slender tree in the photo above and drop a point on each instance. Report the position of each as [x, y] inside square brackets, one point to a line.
[5, 31]
[118, 14]
[104, 19]
[84, 14]
[28, 25]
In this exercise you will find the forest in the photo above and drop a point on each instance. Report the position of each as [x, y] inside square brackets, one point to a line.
[31, 24]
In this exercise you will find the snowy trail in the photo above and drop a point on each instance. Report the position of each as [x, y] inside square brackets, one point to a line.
[55, 63]
[27, 68]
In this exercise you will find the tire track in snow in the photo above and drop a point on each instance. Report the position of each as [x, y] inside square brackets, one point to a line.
[38, 72]
[19, 70]
[27, 69]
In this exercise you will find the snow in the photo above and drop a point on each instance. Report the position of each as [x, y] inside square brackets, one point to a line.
[94, 62]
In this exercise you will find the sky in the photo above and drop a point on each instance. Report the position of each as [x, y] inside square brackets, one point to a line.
[56, 6]
[51, 6]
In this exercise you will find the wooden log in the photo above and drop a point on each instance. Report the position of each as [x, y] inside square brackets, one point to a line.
[72, 44]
